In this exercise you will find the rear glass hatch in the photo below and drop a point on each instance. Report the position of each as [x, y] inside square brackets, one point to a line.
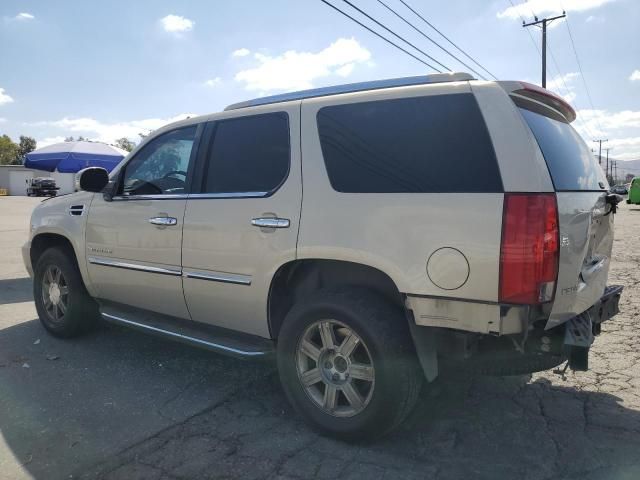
[586, 227]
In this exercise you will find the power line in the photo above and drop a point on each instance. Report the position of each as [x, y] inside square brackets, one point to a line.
[544, 22]
[584, 81]
[395, 34]
[599, 141]
[442, 35]
[381, 36]
[575, 104]
[528, 31]
[579, 118]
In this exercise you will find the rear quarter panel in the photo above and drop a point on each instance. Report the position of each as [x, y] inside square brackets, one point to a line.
[397, 232]
[522, 165]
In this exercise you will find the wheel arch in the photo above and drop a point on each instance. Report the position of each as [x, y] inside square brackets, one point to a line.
[43, 241]
[297, 279]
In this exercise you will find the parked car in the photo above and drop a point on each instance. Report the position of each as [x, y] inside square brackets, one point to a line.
[620, 189]
[42, 187]
[634, 191]
[323, 228]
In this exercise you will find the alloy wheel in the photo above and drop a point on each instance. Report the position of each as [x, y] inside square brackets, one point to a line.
[335, 368]
[55, 293]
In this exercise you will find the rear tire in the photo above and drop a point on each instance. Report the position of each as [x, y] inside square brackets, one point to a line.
[349, 392]
[64, 306]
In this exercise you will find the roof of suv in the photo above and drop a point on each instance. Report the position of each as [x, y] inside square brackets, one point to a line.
[355, 87]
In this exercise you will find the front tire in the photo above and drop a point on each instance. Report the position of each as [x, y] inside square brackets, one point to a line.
[64, 306]
[347, 364]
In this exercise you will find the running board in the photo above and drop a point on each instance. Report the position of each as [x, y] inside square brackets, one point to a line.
[215, 339]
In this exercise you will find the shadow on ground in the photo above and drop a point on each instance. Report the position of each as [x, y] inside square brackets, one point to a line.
[67, 404]
[118, 404]
[15, 290]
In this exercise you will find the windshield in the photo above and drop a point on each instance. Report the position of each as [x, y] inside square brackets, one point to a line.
[570, 162]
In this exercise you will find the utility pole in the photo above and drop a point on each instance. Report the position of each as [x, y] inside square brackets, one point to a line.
[615, 175]
[600, 150]
[544, 23]
[607, 150]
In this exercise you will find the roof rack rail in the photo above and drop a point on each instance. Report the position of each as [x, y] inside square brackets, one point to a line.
[355, 87]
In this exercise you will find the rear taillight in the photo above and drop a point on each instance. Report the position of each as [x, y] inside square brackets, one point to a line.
[530, 248]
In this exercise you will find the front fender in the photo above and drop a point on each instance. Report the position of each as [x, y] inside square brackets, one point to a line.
[64, 216]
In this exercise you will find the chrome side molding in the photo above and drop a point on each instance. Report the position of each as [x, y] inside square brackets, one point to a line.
[185, 196]
[222, 277]
[107, 262]
[158, 196]
[228, 195]
[218, 277]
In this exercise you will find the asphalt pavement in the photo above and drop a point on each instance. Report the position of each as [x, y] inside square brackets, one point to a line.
[117, 404]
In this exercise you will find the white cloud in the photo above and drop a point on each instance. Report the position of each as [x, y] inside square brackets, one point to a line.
[294, 70]
[107, 132]
[635, 75]
[625, 119]
[621, 128]
[20, 17]
[3, 120]
[4, 98]
[594, 19]
[49, 141]
[24, 16]
[176, 24]
[542, 7]
[213, 82]
[241, 52]
[345, 70]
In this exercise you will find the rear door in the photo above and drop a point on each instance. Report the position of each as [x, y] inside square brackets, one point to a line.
[586, 227]
[243, 224]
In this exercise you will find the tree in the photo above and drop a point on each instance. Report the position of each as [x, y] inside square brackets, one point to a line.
[79, 139]
[125, 144]
[8, 151]
[26, 145]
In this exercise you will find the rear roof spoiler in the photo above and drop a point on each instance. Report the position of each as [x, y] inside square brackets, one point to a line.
[542, 95]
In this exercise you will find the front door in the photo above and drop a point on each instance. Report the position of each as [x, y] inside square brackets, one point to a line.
[243, 224]
[133, 241]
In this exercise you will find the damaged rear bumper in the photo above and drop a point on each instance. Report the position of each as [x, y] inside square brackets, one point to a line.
[581, 330]
[533, 350]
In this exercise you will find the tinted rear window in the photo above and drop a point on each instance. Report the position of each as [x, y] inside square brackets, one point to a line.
[248, 154]
[421, 144]
[571, 163]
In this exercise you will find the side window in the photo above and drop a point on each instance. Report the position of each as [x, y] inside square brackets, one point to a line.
[161, 166]
[248, 154]
[425, 144]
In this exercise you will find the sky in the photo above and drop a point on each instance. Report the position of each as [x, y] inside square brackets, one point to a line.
[105, 70]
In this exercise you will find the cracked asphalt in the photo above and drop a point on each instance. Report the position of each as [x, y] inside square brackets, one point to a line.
[121, 405]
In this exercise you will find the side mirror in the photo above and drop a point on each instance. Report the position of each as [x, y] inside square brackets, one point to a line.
[93, 179]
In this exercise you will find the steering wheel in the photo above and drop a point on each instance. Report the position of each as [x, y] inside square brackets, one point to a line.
[175, 172]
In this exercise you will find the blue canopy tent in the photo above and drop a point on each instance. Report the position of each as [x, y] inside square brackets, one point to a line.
[71, 157]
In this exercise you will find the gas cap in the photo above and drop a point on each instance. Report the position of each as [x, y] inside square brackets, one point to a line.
[448, 268]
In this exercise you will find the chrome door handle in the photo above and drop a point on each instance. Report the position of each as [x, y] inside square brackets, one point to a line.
[270, 222]
[163, 221]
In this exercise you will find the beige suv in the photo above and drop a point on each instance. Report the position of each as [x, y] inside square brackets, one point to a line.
[370, 236]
